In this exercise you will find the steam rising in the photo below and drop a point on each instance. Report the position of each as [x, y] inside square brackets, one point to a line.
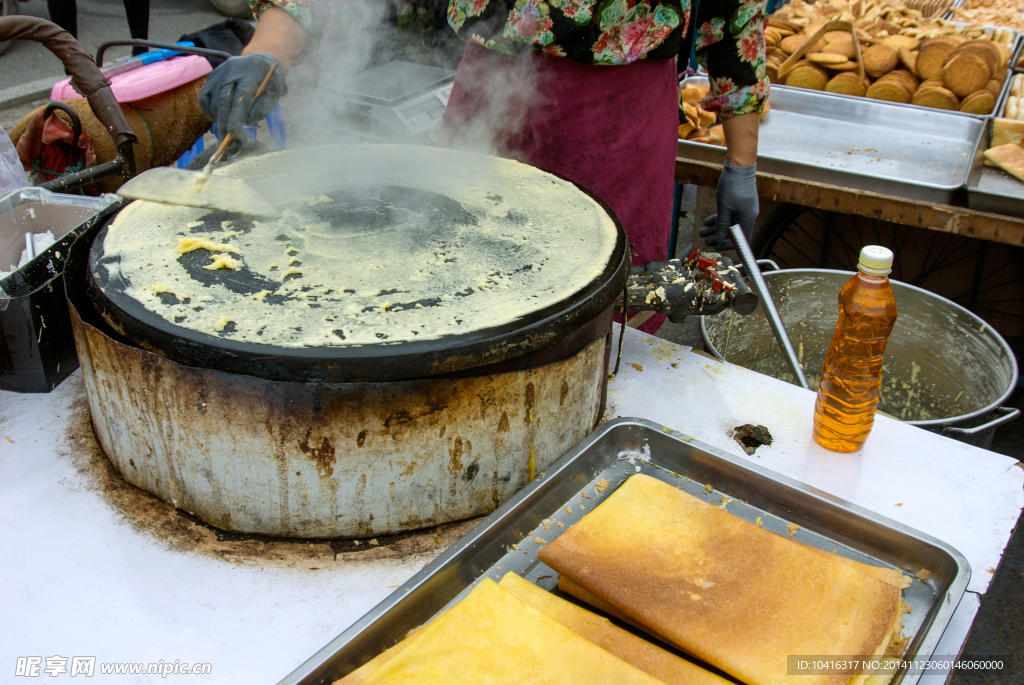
[507, 91]
[359, 34]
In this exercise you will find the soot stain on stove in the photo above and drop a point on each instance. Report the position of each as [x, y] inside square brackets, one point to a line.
[185, 533]
[322, 456]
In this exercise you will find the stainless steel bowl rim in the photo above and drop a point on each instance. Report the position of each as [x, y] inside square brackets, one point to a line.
[931, 423]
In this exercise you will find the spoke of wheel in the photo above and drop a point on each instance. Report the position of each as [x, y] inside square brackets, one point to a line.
[848, 251]
[797, 249]
[801, 224]
[927, 255]
[988, 303]
[951, 263]
[826, 247]
[878, 232]
[906, 236]
[809, 238]
[860, 242]
[964, 296]
[1002, 285]
[960, 268]
[942, 262]
[989, 275]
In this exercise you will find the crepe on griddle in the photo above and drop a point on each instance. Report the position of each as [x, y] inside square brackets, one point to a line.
[730, 593]
[492, 636]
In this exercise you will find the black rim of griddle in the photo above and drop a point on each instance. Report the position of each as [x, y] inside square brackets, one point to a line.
[366, 363]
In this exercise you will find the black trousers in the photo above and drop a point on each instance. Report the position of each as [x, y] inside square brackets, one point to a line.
[64, 13]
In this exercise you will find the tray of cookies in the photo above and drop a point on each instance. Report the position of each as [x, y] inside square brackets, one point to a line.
[1003, 13]
[894, 54]
[663, 552]
[852, 142]
[996, 183]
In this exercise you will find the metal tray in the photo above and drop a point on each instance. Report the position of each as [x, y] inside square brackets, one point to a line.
[997, 111]
[990, 189]
[993, 190]
[1015, 48]
[1003, 90]
[615, 451]
[914, 152]
[1015, 57]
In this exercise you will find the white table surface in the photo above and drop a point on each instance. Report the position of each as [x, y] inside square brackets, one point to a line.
[79, 579]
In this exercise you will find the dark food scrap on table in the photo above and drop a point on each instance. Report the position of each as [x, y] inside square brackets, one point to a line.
[750, 437]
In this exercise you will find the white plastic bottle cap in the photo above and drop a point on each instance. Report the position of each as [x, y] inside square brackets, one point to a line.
[875, 259]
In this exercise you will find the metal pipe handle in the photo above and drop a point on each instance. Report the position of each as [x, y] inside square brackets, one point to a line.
[764, 264]
[86, 79]
[772, 314]
[1009, 414]
[94, 174]
[143, 43]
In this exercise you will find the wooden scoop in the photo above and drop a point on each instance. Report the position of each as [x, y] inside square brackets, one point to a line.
[835, 25]
[172, 186]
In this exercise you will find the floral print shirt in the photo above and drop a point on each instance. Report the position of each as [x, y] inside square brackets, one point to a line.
[299, 9]
[729, 38]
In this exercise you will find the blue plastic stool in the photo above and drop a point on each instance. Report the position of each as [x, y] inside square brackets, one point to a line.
[275, 125]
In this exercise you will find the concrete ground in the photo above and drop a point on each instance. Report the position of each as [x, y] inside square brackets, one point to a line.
[100, 21]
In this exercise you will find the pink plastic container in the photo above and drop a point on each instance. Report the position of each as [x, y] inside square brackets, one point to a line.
[145, 81]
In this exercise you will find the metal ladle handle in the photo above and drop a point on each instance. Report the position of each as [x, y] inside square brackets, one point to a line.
[774, 320]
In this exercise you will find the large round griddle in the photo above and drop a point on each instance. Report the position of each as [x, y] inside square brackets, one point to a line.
[569, 324]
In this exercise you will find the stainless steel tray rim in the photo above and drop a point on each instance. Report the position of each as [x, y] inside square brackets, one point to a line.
[865, 180]
[889, 103]
[862, 174]
[307, 672]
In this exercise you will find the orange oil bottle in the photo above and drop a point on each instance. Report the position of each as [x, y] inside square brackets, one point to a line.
[844, 411]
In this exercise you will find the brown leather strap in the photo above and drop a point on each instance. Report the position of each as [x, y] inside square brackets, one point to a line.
[86, 77]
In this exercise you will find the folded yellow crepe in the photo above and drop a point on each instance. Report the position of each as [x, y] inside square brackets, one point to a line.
[732, 594]
[359, 676]
[649, 658]
[492, 637]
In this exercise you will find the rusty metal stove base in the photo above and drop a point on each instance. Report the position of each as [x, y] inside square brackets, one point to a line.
[332, 460]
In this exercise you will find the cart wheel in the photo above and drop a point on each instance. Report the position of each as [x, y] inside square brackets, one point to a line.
[233, 8]
[985, 277]
[7, 8]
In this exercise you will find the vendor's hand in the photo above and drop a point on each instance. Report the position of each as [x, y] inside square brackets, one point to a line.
[227, 96]
[737, 204]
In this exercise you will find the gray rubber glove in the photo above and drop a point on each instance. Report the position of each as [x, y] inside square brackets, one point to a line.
[737, 204]
[227, 95]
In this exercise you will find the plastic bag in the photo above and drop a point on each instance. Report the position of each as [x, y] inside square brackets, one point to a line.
[12, 176]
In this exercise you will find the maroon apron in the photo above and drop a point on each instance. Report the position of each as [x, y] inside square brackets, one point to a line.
[610, 129]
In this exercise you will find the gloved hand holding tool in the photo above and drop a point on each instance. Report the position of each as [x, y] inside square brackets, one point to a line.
[182, 187]
[229, 94]
[737, 201]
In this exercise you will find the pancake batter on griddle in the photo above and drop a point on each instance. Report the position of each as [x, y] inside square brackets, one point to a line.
[418, 256]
